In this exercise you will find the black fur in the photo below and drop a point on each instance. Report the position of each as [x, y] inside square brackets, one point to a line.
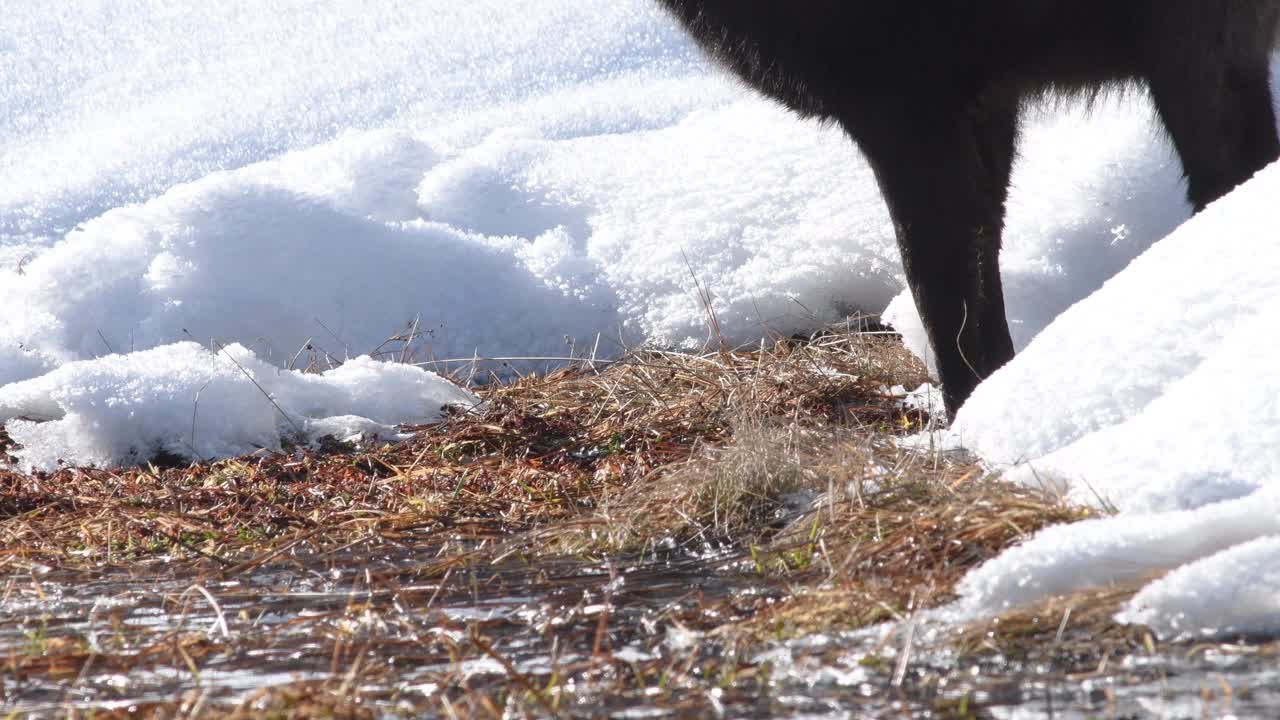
[930, 90]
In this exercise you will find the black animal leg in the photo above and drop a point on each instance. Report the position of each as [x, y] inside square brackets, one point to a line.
[945, 178]
[1220, 118]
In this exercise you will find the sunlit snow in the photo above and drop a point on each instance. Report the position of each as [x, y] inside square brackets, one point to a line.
[1158, 397]
[531, 178]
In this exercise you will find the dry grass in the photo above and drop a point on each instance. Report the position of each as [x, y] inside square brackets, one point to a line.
[901, 547]
[1076, 632]
[547, 449]
[781, 462]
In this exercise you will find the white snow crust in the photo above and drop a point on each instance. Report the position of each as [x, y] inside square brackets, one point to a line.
[1158, 398]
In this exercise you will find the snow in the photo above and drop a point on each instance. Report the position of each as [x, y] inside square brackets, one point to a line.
[1158, 398]
[193, 403]
[301, 181]
[1233, 592]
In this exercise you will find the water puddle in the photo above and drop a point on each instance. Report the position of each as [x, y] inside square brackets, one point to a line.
[398, 632]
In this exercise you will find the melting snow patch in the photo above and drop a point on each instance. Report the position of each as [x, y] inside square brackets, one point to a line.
[1229, 594]
[184, 400]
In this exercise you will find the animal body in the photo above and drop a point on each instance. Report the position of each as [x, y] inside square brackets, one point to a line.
[931, 91]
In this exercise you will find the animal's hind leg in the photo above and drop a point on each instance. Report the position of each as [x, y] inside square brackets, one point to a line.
[1220, 118]
[995, 135]
[945, 178]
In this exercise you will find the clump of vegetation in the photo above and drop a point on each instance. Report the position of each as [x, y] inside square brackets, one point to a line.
[601, 536]
[1076, 632]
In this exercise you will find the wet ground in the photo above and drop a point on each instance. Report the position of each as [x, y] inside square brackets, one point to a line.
[404, 629]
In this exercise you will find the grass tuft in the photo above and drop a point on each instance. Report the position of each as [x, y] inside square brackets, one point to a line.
[686, 507]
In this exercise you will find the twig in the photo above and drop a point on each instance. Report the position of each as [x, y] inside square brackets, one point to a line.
[222, 349]
[305, 346]
[195, 408]
[220, 620]
[333, 335]
[708, 307]
[408, 344]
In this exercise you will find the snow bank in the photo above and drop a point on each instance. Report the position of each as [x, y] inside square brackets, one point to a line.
[1233, 592]
[187, 401]
[1158, 397]
[509, 174]
[315, 249]
[510, 178]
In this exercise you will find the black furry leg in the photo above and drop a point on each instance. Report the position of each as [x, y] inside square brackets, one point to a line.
[945, 177]
[1220, 118]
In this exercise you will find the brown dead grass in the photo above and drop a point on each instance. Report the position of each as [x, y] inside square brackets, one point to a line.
[893, 533]
[546, 449]
[783, 458]
[1075, 632]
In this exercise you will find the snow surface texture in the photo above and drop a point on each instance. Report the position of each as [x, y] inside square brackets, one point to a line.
[511, 173]
[187, 401]
[532, 177]
[1158, 396]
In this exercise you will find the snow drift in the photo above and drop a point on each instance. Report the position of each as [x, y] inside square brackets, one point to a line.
[508, 178]
[1158, 397]
[186, 401]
